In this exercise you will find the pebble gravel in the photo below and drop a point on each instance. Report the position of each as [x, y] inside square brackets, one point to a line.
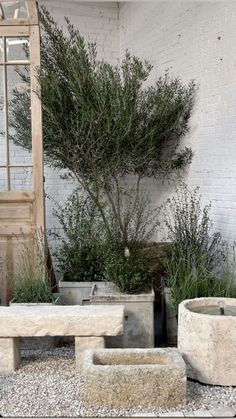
[47, 384]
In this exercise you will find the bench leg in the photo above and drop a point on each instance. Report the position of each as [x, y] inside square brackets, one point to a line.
[82, 343]
[9, 355]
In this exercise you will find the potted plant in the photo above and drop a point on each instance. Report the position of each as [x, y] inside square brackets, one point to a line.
[130, 269]
[107, 128]
[198, 264]
[31, 284]
[79, 255]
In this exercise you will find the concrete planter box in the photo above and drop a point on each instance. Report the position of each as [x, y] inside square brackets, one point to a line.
[170, 315]
[73, 292]
[39, 342]
[130, 378]
[207, 342]
[139, 315]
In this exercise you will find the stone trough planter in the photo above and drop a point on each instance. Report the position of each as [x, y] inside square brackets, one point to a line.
[129, 378]
[207, 340]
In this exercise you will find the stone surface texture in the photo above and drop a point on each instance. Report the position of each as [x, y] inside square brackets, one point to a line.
[61, 321]
[207, 342]
[82, 344]
[148, 378]
[9, 355]
[139, 316]
[37, 342]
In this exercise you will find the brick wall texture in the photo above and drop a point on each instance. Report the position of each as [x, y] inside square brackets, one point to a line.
[194, 40]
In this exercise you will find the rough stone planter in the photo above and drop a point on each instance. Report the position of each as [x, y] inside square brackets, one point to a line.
[41, 342]
[139, 315]
[73, 292]
[207, 342]
[129, 378]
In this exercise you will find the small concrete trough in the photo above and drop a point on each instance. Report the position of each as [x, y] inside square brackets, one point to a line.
[129, 378]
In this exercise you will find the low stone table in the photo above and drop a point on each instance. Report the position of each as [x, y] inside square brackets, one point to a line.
[129, 378]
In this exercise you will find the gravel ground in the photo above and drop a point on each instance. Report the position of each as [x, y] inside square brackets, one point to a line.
[47, 384]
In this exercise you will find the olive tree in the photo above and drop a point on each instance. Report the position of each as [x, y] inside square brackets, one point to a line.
[102, 122]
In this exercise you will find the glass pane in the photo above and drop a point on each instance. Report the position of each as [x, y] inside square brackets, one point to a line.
[1, 50]
[17, 49]
[19, 116]
[3, 179]
[14, 9]
[21, 178]
[2, 128]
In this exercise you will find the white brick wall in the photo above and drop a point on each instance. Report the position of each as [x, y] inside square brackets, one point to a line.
[195, 40]
[97, 22]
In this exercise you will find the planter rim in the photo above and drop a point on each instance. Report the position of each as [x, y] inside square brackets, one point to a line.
[14, 303]
[76, 284]
[185, 306]
[110, 292]
[56, 296]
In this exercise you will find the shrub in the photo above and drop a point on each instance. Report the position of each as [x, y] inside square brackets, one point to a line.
[129, 264]
[80, 255]
[198, 265]
[131, 272]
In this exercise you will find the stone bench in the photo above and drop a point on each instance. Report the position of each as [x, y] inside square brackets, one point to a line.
[88, 324]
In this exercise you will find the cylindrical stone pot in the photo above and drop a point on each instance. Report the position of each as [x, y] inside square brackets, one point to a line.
[207, 342]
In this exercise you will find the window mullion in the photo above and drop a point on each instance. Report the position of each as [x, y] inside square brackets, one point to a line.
[6, 114]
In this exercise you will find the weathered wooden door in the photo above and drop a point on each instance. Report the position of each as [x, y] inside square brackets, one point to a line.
[21, 171]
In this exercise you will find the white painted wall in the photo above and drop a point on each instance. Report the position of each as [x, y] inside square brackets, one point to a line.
[195, 40]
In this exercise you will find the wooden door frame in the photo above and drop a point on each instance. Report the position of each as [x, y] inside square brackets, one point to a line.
[30, 27]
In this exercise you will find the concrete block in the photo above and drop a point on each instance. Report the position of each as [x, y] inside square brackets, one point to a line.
[200, 413]
[223, 412]
[82, 344]
[9, 355]
[131, 378]
[175, 414]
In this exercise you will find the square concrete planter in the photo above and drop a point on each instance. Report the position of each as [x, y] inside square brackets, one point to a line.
[139, 315]
[73, 292]
[170, 316]
[130, 378]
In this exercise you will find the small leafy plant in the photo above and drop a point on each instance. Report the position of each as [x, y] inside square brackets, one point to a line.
[131, 272]
[198, 264]
[80, 254]
[126, 261]
[31, 279]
